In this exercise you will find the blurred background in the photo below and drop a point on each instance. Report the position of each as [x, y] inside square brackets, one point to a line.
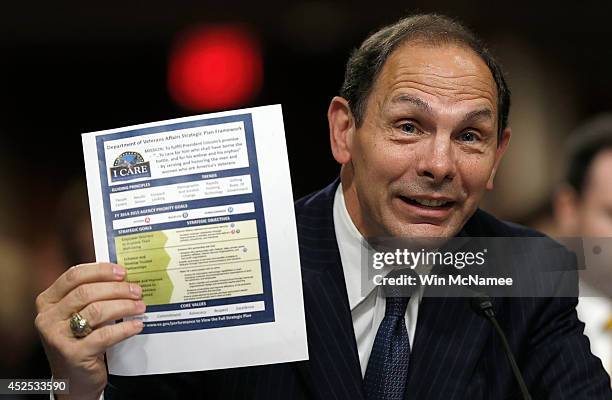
[72, 67]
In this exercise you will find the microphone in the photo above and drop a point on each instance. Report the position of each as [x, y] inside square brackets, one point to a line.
[483, 305]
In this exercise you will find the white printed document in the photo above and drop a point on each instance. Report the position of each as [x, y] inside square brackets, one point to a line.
[199, 210]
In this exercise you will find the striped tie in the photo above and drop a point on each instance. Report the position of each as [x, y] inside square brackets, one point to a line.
[387, 371]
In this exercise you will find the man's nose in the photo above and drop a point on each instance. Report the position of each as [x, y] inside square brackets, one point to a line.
[437, 161]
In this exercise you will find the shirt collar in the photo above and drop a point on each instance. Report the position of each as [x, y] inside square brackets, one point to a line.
[351, 246]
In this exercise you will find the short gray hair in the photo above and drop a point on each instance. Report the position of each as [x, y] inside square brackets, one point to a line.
[366, 62]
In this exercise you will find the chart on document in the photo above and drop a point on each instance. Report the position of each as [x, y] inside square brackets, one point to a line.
[184, 215]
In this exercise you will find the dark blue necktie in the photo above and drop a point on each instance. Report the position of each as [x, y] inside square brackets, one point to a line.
[387, 371]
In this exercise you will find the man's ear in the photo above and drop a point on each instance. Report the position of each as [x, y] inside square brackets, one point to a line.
[499, 153]
[565, 209]
[341, 128]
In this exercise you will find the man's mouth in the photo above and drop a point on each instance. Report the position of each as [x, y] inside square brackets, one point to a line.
[439, 204]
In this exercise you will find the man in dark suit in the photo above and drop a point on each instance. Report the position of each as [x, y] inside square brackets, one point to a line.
[420, 129]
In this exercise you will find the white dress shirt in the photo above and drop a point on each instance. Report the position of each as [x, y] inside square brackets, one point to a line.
[367, 311]
[595, 309]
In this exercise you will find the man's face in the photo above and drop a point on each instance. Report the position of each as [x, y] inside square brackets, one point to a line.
[595, 205]
[427, 148]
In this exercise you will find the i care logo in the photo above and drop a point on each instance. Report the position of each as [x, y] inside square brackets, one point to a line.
[129, 165]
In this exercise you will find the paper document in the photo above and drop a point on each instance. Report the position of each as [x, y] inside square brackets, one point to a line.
[199, 210]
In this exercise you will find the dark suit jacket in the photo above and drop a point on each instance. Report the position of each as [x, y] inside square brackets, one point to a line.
[455, 354]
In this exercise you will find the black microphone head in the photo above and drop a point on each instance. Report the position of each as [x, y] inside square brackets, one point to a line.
[482, 304]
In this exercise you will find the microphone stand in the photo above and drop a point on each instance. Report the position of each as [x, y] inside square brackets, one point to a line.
[483, 306]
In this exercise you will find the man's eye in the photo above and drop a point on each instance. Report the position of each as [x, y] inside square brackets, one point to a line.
[409, 128]
[468, 137]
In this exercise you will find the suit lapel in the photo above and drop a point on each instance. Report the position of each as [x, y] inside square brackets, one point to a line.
[448, 342]
[333, 371]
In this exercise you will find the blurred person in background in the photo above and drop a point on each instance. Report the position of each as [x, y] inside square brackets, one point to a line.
[16, 309]
[583, 208]
[69, 241]
[20, 346]
[74, 225]
[27, 268]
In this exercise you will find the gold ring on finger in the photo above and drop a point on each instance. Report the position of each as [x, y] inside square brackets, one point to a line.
[79, 326]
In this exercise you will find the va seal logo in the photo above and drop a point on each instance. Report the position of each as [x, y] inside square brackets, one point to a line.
[129, 165]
